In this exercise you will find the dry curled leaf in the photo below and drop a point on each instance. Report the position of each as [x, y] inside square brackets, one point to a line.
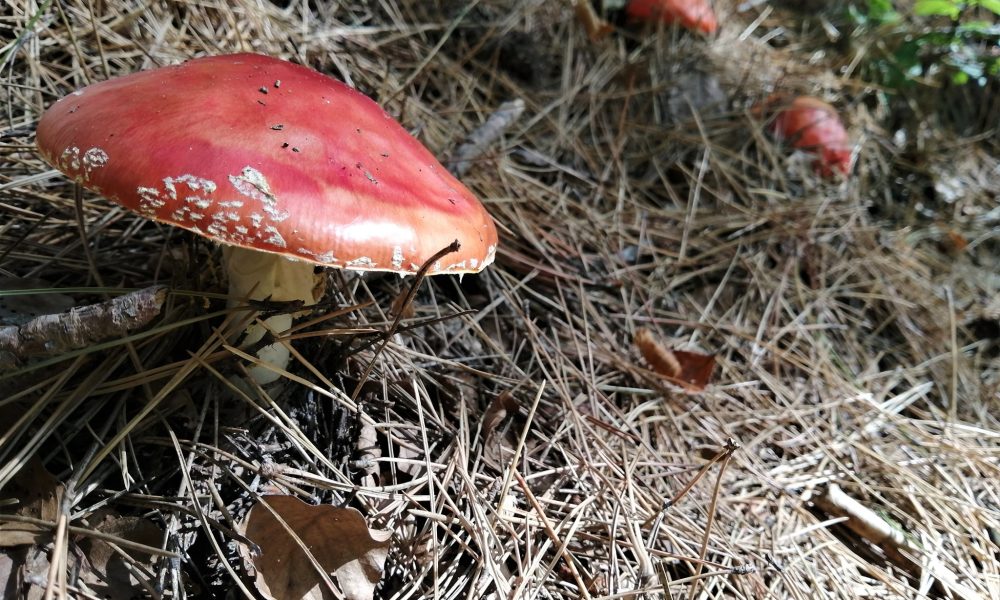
[33, 493]
[499, 442]
[690, 370]
[497, 411]
[24, 547]
[657, 357]
[24, 572]
[893, 541]
[340, 543]
[106, 571]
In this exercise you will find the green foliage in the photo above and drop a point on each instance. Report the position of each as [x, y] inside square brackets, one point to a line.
[944, 8]
[938, 40]
[878, 12]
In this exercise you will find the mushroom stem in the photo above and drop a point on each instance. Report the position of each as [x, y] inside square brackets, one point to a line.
[265, 276]
[262, 275]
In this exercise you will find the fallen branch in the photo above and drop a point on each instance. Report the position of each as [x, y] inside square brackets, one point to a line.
[79, 327]
[870, 526]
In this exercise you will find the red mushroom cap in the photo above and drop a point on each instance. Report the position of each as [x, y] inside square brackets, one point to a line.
[690, 14]
[813, 125]
[261, 153]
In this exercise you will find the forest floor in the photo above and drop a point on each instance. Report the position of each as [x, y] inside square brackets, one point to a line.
[512, 440]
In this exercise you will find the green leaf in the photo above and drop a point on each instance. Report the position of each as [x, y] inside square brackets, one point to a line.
[907, 55]
[980, 28]
[990, 5]
[960, 78]
[883, 11]
[931, 8]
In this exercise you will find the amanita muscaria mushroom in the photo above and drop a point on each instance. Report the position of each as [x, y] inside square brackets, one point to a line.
[696, 15]
[286, 167]
[814, 126]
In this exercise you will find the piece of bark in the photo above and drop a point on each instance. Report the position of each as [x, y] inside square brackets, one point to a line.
[52, 335]
[18, 309]
[479, 140]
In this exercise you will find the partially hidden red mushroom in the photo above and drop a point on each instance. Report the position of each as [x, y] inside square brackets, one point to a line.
[696, 15]
[814, 126]
[286, 167]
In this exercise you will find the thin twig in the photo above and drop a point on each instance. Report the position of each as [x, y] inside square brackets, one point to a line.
[410, 295]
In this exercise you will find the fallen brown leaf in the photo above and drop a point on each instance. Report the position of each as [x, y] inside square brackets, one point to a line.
[657, 357]
[696, 369]
[497, 411]
[10, 572]
[690, 370]
[351, 555]
[106, 570]
[35, 493]
[24, 572]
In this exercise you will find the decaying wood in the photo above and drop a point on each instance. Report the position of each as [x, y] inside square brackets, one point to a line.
[51, 335]
[869, 525]
[480, 139]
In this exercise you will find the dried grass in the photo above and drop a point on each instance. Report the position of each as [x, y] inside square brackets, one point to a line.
[849, 340]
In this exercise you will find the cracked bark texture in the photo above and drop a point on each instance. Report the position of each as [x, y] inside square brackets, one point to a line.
[79, 327]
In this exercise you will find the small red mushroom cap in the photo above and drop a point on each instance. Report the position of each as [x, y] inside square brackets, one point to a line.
[696, 15]
[261, 153]
[813, 125]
